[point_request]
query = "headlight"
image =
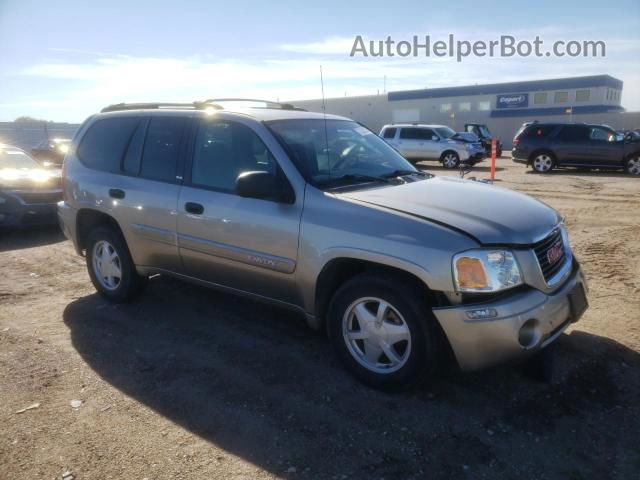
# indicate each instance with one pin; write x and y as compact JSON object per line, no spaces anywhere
{"x":485,"y":270}
{"x":2,"y":200}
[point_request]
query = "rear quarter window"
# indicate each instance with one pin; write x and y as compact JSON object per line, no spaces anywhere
{"x":104,"y":144}
{"x":389,"y":133}
{"x":539,"y":131}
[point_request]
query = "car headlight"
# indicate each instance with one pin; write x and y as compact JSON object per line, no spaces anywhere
{"x":2,"y":200}
{"x":485,"y":270}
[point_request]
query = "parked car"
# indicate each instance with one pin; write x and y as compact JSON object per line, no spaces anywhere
{"x":417,"y":142}
{"x":28,"y":193}
{"x":483,"y":133}
{"x":51,"y":152}
{"x":545,"y":146}
{"x":319,"y":215}
{"x":474,"y":145}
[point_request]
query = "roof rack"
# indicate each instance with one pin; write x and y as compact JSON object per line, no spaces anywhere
{"x":268,"y":103}
{"x":198,"y":105}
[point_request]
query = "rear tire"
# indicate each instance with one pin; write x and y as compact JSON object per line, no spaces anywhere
{"x":110,"y":266}
{"x":542,"y":162}
{"x":632,"y":165}
{"x":384,"y":335}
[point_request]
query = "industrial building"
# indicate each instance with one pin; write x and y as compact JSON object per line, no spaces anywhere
{"x":503,"y":107}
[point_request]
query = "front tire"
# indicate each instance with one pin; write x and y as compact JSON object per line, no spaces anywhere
{"x":450,"y":160}
{"x":542,"y":162}
{"x":110,"y":266}
{"x":384,"y":335}
{"x":632,"y":165}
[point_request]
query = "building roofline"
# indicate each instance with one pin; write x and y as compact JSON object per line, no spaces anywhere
{"x":511,"y":87}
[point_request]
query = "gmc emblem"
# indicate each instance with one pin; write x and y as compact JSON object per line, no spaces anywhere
{"x":554,"y":253}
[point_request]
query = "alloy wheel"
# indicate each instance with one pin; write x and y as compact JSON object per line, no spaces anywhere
{"x":542,"y":163}
{"x":106,"y":265}
{"x":376,"y":335}
{"x":450,"y":160}
{"x":633,"y":166}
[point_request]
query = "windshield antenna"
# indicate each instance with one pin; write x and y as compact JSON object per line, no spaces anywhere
{"x":324,"y":115}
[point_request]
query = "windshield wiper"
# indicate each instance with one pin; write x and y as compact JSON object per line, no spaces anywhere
{"x":358,"y":177}
{"x":400,"y":173}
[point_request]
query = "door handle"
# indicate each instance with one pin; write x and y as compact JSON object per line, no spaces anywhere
{"x":194,"y":208}
{"x":116,"y":193}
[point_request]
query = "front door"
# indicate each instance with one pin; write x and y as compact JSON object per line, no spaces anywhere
{"x":243,"y":243}
{"x":605,"y":150}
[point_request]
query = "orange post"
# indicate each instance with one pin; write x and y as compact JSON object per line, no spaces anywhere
{"x":493,"y":158}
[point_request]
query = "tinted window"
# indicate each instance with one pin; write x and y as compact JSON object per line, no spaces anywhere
{"x":572,"y":133}
{"x":539,"y":131}
{"x":416,"y":133}
{"x":133,"y":155}
{"x":223,"y":151}
{"x":390,"y":132}
{"x":602,"y":134}
{"x":103,"y":146}
{"x":162,"y":148}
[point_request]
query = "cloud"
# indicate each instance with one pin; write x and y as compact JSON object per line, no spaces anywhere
{"x":329,"y":46}
{"x":84,"y":81}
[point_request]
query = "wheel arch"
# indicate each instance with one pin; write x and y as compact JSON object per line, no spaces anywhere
{"x":87,"y":219}
{"x":338,"y":271}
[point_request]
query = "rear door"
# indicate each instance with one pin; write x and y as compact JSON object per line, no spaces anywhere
{"x":242,"y":243}
{"x":153,"y":165}
{"x":605,"y":150}
{"x":410,"y":142}
{"x":572,"y":145}
{"x":134,"y":162}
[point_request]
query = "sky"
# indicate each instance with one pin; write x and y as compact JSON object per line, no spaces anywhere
{"x":66,"y":59}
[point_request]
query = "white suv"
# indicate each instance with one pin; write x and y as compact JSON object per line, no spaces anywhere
{"x":431,"y":142}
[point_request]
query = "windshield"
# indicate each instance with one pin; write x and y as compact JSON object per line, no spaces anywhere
{"x":445,"y":132}
{"x":11,"y":157}
{"x":484,"y":131}
{"x":341,"y":150}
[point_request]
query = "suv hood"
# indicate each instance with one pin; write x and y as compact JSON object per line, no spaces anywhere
{"x":490,"y":214}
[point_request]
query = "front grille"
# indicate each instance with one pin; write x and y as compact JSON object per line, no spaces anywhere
{"x":541,"y":248}
{"x":34,"y":197}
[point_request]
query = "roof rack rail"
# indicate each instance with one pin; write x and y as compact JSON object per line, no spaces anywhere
{"x":268,"y":103}
{"x":117,"y":107}
{"x":198,"y":105}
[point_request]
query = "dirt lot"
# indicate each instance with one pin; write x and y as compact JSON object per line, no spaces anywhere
{"x":190,"y":383}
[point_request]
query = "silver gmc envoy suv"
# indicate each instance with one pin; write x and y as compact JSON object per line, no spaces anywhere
{"x":318,"y":214}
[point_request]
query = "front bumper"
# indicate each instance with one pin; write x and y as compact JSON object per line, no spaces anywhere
{"x":482,"y":343}
{"x":25,"y":215}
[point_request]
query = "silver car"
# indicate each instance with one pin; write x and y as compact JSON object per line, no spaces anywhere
{"x":417,"y":142}
{"x":319,"y":215}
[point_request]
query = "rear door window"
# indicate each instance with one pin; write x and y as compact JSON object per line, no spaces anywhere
{"x":133,"y":155}
{"x":574,"y":133}
{"x":416,"y":134}
{"x":103,"y":146}
{"x":162,"y":148}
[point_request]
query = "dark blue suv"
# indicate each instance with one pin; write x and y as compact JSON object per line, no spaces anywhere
{"x":546,"y":146}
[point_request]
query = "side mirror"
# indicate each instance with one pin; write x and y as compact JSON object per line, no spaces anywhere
{"x":435,"y":138}
{"x":262,"y":185}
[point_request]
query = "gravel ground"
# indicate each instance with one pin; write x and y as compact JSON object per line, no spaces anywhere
{"x":187,"y":382}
